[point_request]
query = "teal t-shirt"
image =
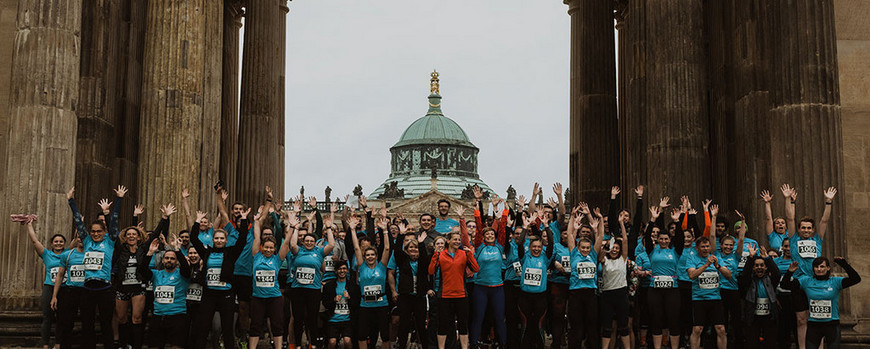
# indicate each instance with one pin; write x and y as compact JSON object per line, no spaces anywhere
{"x":265,"y":276}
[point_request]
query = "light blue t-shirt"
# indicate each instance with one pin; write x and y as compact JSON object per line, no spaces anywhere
{"x":342,"y":309}
{"x":745,"y":254}
{"x":688,"y":254}
{"x":775,"y":240}
{"x":824,"y":296}
{"x":307,"y":264}
{"x":642,"y":260}
{"x":729,"y":261}
{"x":52,"y":264}
{"x":563,"y":256}
{"x":73,"y":261}
{"x":213,"y":267}
{"x":664,"y":267}
{"x":373,"y":285}
{"x":804,"y":251}
{"x":265,"y":276}
{"x":98,"y":258}
{"x":705,"y":286}
{"x":534,"y":273}
{"x":584,"y":270}
{"x":207,"y":237}
{"x":490,"y":260}
{"x":445,"y":226}
{"x":512,"y":265}
{"x":170,"y":292}
{"x":246,"y":260}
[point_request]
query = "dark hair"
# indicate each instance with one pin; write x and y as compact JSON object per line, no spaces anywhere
{"x":819,"y":260}
{"x":269,"y":238}
{"x":427,"y":214}
{"x":244,"y":207}
{"x":183,"y":232}
{"x":341,"y":263}
{"x":702,"y":240}
{"x":723,"y":221}
{"x":443,"y":200}
{"x":58,"y":235}
{"x":100,"y":223}
{"x":809,"y":220}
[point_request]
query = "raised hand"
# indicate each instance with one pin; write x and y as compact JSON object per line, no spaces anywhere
{"x":584,"y":208}
{"x":259,"y":213}
{"x":687,"y":205}
{"x":793,"y":267}
{"x":269,"y":193}
{"x":675,"y":214}
{"x":460,"y":211}
{"x":382,"y":223}
{"x":71,"y":193}
{"x":121,"y":191}
{"x":353,"y":222}
{"x":839,"y":260}
{"x":742,"y":217}
{"x":752,"y":250}
{"x":593,"y":222}
{"x":551,"y":202}
{"x":402,"y":227}
{"x":291,"y":219}
{"x":654,"y":212}
{"x":478,"y":193}
{"x":362,"y":201}
{"x":224,"y":195}
{"x":536,"y":190}
{"x":200,"y":215}
{"x":155,"y":245}
{"x":104,"y":204}
{"x":765,"y":195}
{"x":297,"y":204}
{"x":664,"y":202}
{"x":706,"y":204}
{"x":246,"y":213}
{"x":830,"y":193}
{"x":714,"y":210}
{"x":597,"y":212}
{"x":185,"y":193}
{"x":138,"y":209}
{"x":557,"y":188}
{"x":312,"y":202}
{"x":521,"y":202}
{"x":787,"y":191}
{"x":333,"y":206}
{"x":639,"y":191}
{"x":167,"y":210}
{"x":614,"y":191}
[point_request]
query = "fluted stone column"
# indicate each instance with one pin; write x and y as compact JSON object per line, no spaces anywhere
{"x":676,"y":118}
{"x":594,"y":163}
{"x":232,"y":21}
{"x":40,"y":139}
{"x":170,"y":138}
{"x":806,"y":132}
{"x":260,"y":133}
{"x":634,"y":66}
{"x":212,"y":118}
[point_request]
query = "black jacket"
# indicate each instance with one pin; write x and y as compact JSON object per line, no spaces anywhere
{"x":231,"y":253}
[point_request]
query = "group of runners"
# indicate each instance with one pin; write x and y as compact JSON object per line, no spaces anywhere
{"x":510,"y":274}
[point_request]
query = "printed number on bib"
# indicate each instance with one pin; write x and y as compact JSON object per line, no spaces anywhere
{"x":762,"y":306}
{"x":585,"y":270}
{"x":194,"y":292}
{"x":820,"y":309}
{"x":708,"y":280}
{"x":663,"y":281}
{"x":93,"y":260}
{"x":130,"y":276}
{"x":53,"y":273}
{"x":518,"y":268}
{"x":372,"y":293}
{"x":533,"y":277}
{"x":743,"y":259}
{"x":77,"y":273}
{"x":164,"y":294}
{"x":807,"y":249}
{"x":341,"y":308}
{"x":328,"y":264}
{"x":305,"y":276}
{"x":265,"y":278}
{"x":566,"y":262}
{"x":213,"y":278}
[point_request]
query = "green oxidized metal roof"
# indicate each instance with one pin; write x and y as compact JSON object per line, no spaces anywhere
{"x":434,"y":128}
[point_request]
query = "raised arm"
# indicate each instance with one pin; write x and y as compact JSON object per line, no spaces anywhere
{"x":768,"y":212}
{"x":572,"y":229}
{"x":255,"y":246}
{"x":194,"y":236}
{"x":330,"y":239}
{"x":385,"y":256}
{"x":613,"y":209}
{"x":624,"y":239}
{"x":356,"y":251}
{"x":144,"y":266}
{"x":221,"y":196}
{"x":790,"y":196}
{"x":598,"y":225}
{"x":536,"y":190}
{"x":714,"y":212}
{"x":81,"y":231}
{"x":186,"y":205}
{"x":741,"y":234}
{"x":292,"y":226}
{"x":826,"y":215}
{"x":852,"y":277}
{"x":40,"y":249}
{"x":113,"y":220}
{"x":557,"y":189}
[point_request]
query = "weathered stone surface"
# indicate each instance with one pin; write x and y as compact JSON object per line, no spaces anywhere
{"x":594,"y":156}
{"x":40,"y":136}
{"x":229,"y":147}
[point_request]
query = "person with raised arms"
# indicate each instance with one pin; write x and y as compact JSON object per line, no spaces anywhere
{"x":761,"y":305}
{"x":372,"y":280}
{"x":51,"y":259}
{"x":583,"y":269}
{"x":663,"y":295}
{"x":171,"y":277}
{"x":533,"y":283}
{"x":706,"y":273}
{"x":308,"y":260}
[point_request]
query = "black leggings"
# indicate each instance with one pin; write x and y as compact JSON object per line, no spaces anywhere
{"x":412,"y":306}
{"x":583,"y":317}
{"x":558,"y":297}
{"x":306,"y":308}
{"x":761,"y":332}
{"x":220,"y":301}
{"x":68,"y":303}
{"x":830,"y":331}
{"x":733,"y":312}
{"x":685,"y":307}
{"x":261,"y":308}
{"x":787,"y":321}
{"x":373,"y":318}
{"x":449,"y":309}
{"x":104,"y":301}
{"x":533,"y":308}
{"x":512,"y":313}
{"x":664,"y":310}
{"x":614,"y":306}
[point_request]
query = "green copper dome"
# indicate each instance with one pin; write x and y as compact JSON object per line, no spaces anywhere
{"x":434,"y":128}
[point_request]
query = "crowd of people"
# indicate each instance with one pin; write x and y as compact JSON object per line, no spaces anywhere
{"x":507,"y":275}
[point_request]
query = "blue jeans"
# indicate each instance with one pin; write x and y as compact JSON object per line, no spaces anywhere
{"x":488,"y":299}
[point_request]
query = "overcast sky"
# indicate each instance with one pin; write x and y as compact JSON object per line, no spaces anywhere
{"x":358,"y":75}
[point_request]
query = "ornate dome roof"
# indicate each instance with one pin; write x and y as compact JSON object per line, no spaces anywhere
{"x":434,"y":128}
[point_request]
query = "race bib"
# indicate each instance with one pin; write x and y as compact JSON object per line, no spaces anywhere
{"x":130,"y":277}
{"x":77,"y":273}
{"x":149,"y":286}
{"x":414,"y":285}
{"x":820,"y":309}
{"x":213,"y":278}
{"x":518,"y":268}
{"x":533,"y":277}
{"x":372,"y":293}
{"x":708,"y":280}
{"x":93,"y":260}
{"x":566,"y":262}
{"x":663,"y":281}
{"x":341,"y":307}
{"x":585,"y":270}
{"x":164,"y":294}
{"x":194,"y":292}
{"x":743,"y":259}
{"x":807,"y":249}
{"x":265,"y":278}
{"x":328,"y":264}
{"x":53,"y":273}
{"x":762,"y":306}
{"x":305,"y":276}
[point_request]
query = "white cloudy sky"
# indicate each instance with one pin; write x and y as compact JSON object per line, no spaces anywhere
{"x":358,"y":75}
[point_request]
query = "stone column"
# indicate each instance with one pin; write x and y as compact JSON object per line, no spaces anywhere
{"x":212,"y":118}
{"x":594,"y":158}
{"x":805,"y":122}
{"x":230,"y":99}
{"x":172,"y":102}
{"x":260,"y":134}
{"x":676,"y":118}
{"x":40,"y":139}
{"x":634,"y":66}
